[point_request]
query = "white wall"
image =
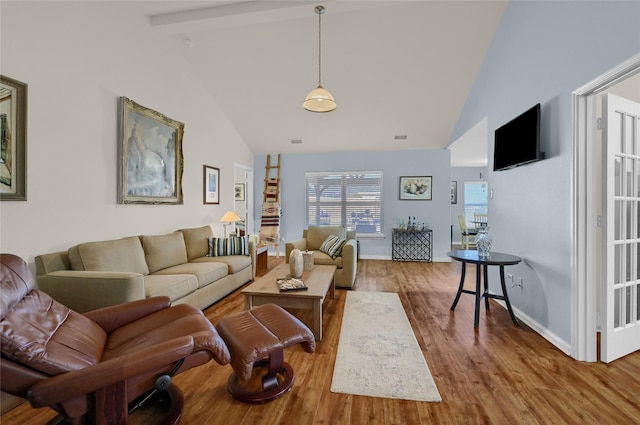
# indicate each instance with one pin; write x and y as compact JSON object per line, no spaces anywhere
{"x":542,"y":52}
{"x":78,"y":58}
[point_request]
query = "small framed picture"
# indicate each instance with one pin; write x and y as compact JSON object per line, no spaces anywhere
{"x":211,"y":185}
{"x":454,"y":192}
{"x":415,"y":188}
{"x":239,"y":192}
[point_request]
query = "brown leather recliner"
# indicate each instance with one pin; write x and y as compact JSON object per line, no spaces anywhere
{"x":90,"y":368}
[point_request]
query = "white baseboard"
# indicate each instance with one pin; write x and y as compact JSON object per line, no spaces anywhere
{"x":388,"y":258}
{"x":554,"y":339}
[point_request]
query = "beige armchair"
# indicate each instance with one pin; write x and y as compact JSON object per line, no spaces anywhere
{"x":312,"y":239}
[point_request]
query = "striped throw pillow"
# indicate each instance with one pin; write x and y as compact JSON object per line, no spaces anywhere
{"x":332,"y":246}
{"x":238,"y":245}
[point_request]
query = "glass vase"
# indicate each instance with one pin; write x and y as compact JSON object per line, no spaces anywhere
{"x":483,"y":242}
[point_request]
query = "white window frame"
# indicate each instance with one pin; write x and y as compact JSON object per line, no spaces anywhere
{"x":354,"y":209}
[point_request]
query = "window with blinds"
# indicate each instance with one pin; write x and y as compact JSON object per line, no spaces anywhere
{"x":352,"y":199}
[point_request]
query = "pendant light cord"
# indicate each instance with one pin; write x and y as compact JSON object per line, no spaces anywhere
{"x":319,"y":11}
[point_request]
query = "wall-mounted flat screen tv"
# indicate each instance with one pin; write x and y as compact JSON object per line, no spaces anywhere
{"x":518,"y":141}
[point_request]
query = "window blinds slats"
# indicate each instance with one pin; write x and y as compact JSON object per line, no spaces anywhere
{"x":350,"y":199}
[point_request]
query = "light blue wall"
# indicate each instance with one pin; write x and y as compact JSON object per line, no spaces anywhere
{"x":542,"y":52}
{"x":394,"y":164}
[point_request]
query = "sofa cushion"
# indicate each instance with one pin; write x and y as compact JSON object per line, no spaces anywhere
{"x":316,"y":235}
{"x":322,"y":259}
{"x":119,"y":255}
{"x":164,"y":251}
{"x":205,"y":272}
{"x":174,"y":286}
{"x":197,"y":241}
{"x":235,"y":263}
{"x":332,"y":246}
{"x":238,"y":245}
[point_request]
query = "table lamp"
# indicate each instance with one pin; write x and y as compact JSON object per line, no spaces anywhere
{"x":227,"y":218}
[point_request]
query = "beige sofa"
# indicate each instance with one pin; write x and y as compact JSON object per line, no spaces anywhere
{"x":347,"y":262}
{"x":98,"y":274}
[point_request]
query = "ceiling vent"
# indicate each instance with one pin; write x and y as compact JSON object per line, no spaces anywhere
{"x":296,"y":141}
{"x":400,"y":137}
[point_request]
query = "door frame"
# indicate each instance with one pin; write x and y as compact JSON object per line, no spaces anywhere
{"x":584,"y":219}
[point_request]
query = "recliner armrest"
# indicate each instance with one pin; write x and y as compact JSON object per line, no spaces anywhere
{"x":73,"y":384}
{"x":300,"y":244}
{"x":114,"y":317}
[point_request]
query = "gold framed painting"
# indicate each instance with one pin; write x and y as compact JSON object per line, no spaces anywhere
{"x":150,"y":161}
{"x":13,"y":140}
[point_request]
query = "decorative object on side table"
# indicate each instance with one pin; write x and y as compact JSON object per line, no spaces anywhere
{"x":307,"y":259}
{"x":150,"y":156}
{"x":483,"y":241}
{"x":415,"y":188}
{"x":296,"y":263}
{"x":13,"y":140}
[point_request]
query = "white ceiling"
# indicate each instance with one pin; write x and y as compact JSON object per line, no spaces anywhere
{"x":394,"y":67}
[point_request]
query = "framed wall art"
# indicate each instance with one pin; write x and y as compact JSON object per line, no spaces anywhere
{"x":211,"y":185}
{"x":239,"y":192}
{"x":13,"y":140}
{"x":150,"y":158}
{"x":415,"y":188}
{"x":454,"y":192}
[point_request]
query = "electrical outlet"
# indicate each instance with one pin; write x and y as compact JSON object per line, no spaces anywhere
{"x":509,"y":277}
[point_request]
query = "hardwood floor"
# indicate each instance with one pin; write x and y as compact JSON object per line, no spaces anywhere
{"x":495,"y":374}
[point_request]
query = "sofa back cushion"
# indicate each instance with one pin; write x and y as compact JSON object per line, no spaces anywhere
{"x":316,"y":235}
{"x":197,"y":241}
{"x":164,"y":251}
{"x":119,"y":255}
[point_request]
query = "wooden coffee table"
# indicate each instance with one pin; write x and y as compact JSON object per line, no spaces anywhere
{"x":319,"y":280}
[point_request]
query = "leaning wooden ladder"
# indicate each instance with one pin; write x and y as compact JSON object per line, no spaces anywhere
{"x":270,"y":223}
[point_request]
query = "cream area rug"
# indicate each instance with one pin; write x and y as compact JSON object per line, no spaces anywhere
{"x":378,"y":354}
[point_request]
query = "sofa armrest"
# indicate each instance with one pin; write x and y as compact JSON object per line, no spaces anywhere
{"x":84,"y":291}
{"x":300,"y":244}
{"x":346,"y":276}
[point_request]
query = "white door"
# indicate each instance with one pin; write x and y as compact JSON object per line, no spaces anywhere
{"x":620,"y":298}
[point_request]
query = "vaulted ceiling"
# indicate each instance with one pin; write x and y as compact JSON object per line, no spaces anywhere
{"x":395,"y":68}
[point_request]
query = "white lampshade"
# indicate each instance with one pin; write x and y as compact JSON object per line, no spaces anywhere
{"x":230,"y":217}
{"x":319,"y":100}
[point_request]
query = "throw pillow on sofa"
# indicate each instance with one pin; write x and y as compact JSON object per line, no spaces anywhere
{"x":332,"y":246}
{"x":237,"y":245}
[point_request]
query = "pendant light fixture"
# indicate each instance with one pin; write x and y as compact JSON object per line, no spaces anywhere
{"x":319,"y":100}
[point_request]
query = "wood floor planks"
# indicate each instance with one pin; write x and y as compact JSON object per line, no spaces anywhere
{"x":495,"y":374}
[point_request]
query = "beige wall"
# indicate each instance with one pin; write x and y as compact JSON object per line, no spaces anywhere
{"x":78,"y":59}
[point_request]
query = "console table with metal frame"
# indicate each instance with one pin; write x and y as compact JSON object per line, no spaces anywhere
{"x":411,"y":245}
{"x":482,"y":263}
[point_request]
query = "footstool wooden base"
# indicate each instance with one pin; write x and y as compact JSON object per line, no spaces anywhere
{"x":256,"y":339}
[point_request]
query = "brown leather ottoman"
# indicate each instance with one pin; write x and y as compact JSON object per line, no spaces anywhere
{"x":253,"y":335}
